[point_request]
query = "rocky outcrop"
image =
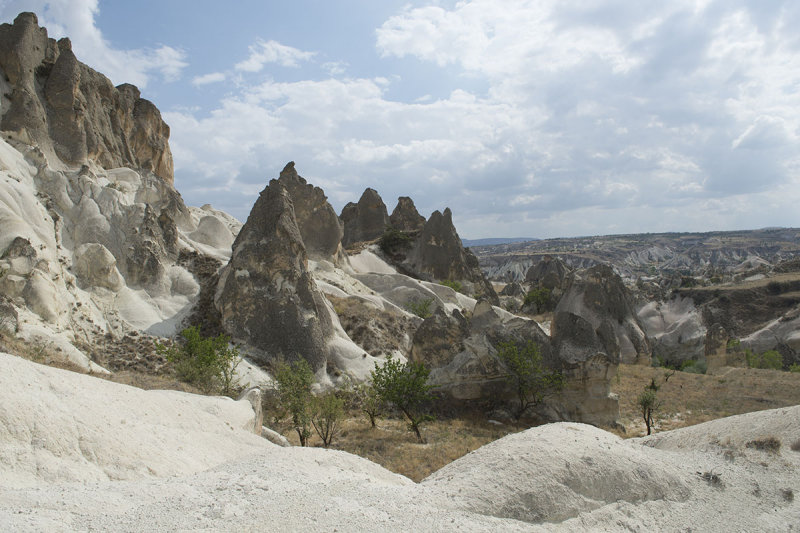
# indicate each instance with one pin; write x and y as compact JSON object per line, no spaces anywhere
{"x":550,"y":273}
{"x":599,"y":296}
{"x":437,"y":254}
{"x":266,"y":297}
{"x":366,"y":220}
{"x":319,"y":226}
{"x":405,"y":216}
{"x":675,"y":328}
{"x":461,"y":351}
{"x":589,"y":359}
{"x":72,"y":111}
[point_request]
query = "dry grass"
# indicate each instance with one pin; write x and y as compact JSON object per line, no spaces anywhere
{"x":689,"y":399}
{"x":394,"y":447}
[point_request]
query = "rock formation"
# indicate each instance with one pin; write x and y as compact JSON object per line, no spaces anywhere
{"x":266,"y":296}
{"x":550,"y":273}
{"x":598,"y":296}
{"x":319,"y":226}
{"x":366,"y":220}
{"x":589,"y":359}
{"x":73,"y":112}
{"x":405,"y":216}
{"x":437,"y":254}
{"x":461,"y":351}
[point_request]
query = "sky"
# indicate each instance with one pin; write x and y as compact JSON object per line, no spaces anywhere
{"x":546,"y":118}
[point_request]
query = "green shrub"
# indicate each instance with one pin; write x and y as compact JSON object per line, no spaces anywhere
{"x":455,"y":285}
{"x":394,"y":241}
{"x":207,"y":362}
{"x":405,"y":385}
{"x":734,"y":345}
{"x":540,"y":297}
{"x":530,"y":379}
{"x":421,"y":308}
{"x":771,"y":359}
{"x":294,"y":394}
{"x":694,"y":367}
{"x":794,"y":367}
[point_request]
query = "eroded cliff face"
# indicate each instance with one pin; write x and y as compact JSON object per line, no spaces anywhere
{"x":53,"y":101}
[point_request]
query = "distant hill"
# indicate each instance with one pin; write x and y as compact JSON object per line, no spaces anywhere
{"x":689,"y":254}
{"x":496,"y":240}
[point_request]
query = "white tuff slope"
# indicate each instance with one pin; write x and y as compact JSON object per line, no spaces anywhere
{"x":179,"y":462}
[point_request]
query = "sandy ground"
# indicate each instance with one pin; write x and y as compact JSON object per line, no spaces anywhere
{"x":81,"y":453}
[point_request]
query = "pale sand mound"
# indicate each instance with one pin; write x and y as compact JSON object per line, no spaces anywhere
{"x":58,"y":426}
{"x":555,"y":472}
{"x":79,"y":453}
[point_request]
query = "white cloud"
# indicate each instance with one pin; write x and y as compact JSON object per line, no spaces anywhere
{"x":264,"y":52}
{"x":76,"y":19}
{"x":205,"y":79}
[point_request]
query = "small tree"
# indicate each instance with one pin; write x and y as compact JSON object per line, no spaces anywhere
{"x":294,"y":394}
{"x":327,"y":414}
{"x":531,"y":380}
{"x":370,"y":403}
{"x":648,"y":402}
{"x":207,"y":362}
{"x":404,"y":385}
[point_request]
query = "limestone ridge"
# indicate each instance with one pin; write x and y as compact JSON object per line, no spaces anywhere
{"x":366,"y":220}
{"x":266,"y":296}
{"x":319,"y":226}
{"x":71,"y":111}
{"x":437,"y":254}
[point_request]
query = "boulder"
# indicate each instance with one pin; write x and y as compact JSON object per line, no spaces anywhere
{"x":266,"y":296}
{"x":319,"y":226}
{"x":366,"y":220}
{"x":405,"y":216}
{"x":599,"y":296}
{"x":253,"y":395}
{"x":437,"y":254}
{"x":550,"y":273}
{"x":95,"y":266}
{"x":73,"y":112}
{"x":513,"y":289}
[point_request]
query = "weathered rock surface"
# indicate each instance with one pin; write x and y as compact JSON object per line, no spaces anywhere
{"x":73,"y":112}
{"x":550,"y":272}
{"x":599,"y":296}
{"x":319,"y":226}
{"x":461,"y":351}
{"x":366,"y":220}
{"x":589,"y":360}
{"x":437,"y":254}
{"x":675,"y":328}
{"x":405,"y":216}
{"x":266,"y":297}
